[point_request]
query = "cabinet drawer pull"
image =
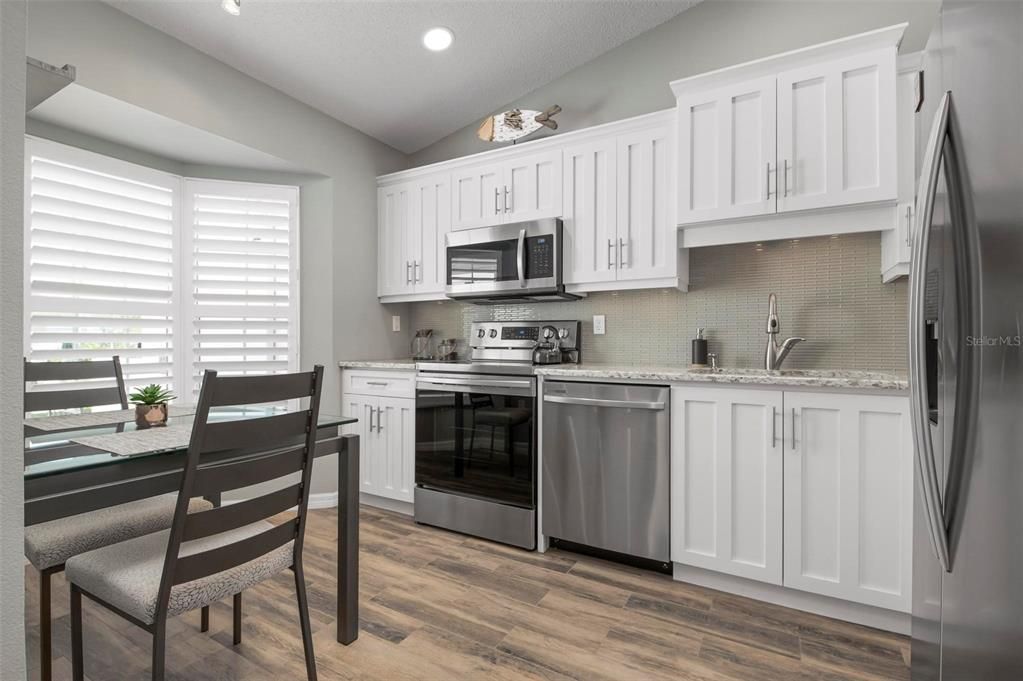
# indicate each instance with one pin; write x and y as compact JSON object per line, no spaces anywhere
{"x":507,"y":200}
{"x":793,"y":428}
{"x":408,"y":272}
{"x":767,"y":177}
{"x":909,"y":225}
{"x":380,"y":419}
{"x":496,"y":194}
{"x":621,"y":253}
{"x":785,"y":177}
{"x":610,"y":254}
{"x":774,"y":427}
{"x":371,"y":410}
{"x":380,"y":383}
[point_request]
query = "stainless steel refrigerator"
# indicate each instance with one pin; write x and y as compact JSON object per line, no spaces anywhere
{"x":966,"y":359}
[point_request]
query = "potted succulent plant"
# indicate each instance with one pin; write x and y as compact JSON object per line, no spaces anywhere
{"x":151,"y":405}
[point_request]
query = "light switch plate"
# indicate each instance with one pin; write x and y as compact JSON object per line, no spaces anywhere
{"x":599,"y":328}
{"x":395,"y":322}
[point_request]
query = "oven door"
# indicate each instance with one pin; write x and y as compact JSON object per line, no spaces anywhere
{"x":476,"y":437}
{"x":506,"y":260}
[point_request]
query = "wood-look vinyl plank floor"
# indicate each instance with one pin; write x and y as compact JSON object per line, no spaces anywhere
{"x":436,"y":605}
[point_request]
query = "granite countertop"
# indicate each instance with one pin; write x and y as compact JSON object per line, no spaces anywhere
{"x":795,"y":378}
{"x":790,"y":378}
{"x":407,"y":363}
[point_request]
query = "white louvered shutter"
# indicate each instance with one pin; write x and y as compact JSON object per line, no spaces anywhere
{"x":240,"y":257}
{"x":100,"y":262}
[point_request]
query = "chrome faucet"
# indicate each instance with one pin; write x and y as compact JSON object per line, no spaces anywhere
{"x":775,"y":353}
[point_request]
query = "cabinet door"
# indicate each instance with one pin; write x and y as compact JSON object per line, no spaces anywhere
{"x":727,"y":165}
{"x":532,"y":187}
{"x":394,"y":265}
{"x":726,"y":491}
{"x":363,"y":408}
{"x":396,"y":433}
{"x":590,"y":212}
{"x":897,"y":244}
{"x":836,"y":132}
{"x":477,"y":196}
{"x":647,"y":245}
{"x":431,"y":222}
{"x":848,"y":497}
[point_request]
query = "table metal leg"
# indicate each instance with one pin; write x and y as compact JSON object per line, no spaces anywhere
{"x":348,"y":540}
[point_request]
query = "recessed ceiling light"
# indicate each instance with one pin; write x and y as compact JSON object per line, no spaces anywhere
{"x":233,"y":7}
{"x":436,"y":39}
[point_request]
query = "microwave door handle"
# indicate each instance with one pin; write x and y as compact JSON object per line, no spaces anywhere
{"x":521,"y":257}
{"x":919,"y":417}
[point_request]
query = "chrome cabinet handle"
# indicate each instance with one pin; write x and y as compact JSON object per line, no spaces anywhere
{"x":381,"y":383}
{"x":793,"y":429}
{"x":497,"y":193}
{"x":380,"y":419}
{"x":767,"y":178}
{"x":610,"y":254}
{"x":610,"y":404}
{"x":774,"y":427}
{"x":408,"y":272}
{"x":371,"y":410}
{"x":621,"y":253}
{"x":785,"y":177}
{"x":909,"y":225}
{"x":507,"y":202}
{"x":415,"y":272}
{"x":945,"y":141}
{"x":521,"y":258}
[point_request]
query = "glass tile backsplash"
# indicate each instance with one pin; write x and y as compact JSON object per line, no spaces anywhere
{"x":829,"y":291}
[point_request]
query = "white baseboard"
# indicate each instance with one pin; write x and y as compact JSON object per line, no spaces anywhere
{"x":323,"y":500}
{"x":403,"y":507}
{"x":857,"y":613}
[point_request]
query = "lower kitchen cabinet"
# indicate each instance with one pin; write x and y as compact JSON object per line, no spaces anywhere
{"x":726,"y":463}
{"x":386,"y":431}
{"x":809,"y":490}
{"x":849,"y":497}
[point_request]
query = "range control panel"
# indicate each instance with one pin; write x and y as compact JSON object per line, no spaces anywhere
{"x":523,"y":335}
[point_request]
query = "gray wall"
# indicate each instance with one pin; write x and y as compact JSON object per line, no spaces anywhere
{"x":123,"y":58}
{"x":828,"y":290}
{"x":12,"y":484}
{"x":633,"y":78}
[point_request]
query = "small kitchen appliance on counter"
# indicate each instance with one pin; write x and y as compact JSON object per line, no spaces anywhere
{"x":422,"y":344}
{"x":476,"y":431}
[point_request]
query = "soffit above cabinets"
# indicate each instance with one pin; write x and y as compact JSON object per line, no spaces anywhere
{"x":364,"y":63}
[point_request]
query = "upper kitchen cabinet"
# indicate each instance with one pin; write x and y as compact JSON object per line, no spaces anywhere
{"x":620,"y":230}
{"x":897,"y":244}
{"x":413,"y":218}
{"x":727,"y":152}
{"x":769,"y":147}
{"x":514,"y":189}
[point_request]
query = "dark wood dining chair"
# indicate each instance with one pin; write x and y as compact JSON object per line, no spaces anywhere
{"x":211,"y":555}
{"x":49,"y":545}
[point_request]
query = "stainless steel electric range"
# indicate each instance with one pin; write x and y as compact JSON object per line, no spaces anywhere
{"x":476,"y":431}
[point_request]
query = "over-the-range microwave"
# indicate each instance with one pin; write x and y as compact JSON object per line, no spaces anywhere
{"x":513,"y":263}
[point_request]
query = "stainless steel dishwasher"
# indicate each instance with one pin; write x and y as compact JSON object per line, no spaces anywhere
{"x":606,"y":467}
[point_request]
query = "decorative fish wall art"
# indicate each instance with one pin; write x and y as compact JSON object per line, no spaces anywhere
{"x":517,"y":123}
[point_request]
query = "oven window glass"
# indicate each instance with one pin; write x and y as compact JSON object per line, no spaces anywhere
{"x":476,"y":444}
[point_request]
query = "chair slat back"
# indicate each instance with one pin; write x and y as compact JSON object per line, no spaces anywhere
{"x":250,"y":451}
{"x":74,"y":398}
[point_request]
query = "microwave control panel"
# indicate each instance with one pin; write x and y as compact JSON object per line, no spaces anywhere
{"x":540,"y":256}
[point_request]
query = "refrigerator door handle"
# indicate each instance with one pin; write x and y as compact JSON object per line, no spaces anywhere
{"x":945,"y":143}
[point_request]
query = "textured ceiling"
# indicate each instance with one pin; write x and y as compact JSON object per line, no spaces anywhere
{"x":362,"y":62}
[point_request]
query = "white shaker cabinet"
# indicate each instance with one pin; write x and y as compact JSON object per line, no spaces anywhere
{"x":394,"y":217}
{"x":727,"y":165}
{"x":413,"y":218}
{"x":726,"y":468}
{"x":897,"y":244}
{"x":590,"y":211}
{"x":515,"y":189}
{"x":848,"y":497}
{"x":836,"y":132}
{"x":386,"y":430}
{"x":619,"y":209}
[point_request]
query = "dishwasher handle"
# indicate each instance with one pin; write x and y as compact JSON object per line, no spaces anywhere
{"x":612,"y":404}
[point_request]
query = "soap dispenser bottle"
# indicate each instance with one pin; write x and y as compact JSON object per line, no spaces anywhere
{"x":699,"y":357}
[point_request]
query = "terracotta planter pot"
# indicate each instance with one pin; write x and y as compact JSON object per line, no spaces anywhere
{"x":149,"y":415}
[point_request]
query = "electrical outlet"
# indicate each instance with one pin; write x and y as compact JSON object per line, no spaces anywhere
{"x":599,"y":328}
{"x":395,"y":323}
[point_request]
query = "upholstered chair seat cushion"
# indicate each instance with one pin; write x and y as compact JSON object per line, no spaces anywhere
{"x":51,"y":543}
{"x":127,"y":575}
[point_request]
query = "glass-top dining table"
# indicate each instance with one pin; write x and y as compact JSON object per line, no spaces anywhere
{"x":64,"y":477}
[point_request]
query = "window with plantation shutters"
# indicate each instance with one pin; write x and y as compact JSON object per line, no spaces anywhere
{"x":239,"y":253}
{"x":173,"y":275}
{"x":100,"y":272}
